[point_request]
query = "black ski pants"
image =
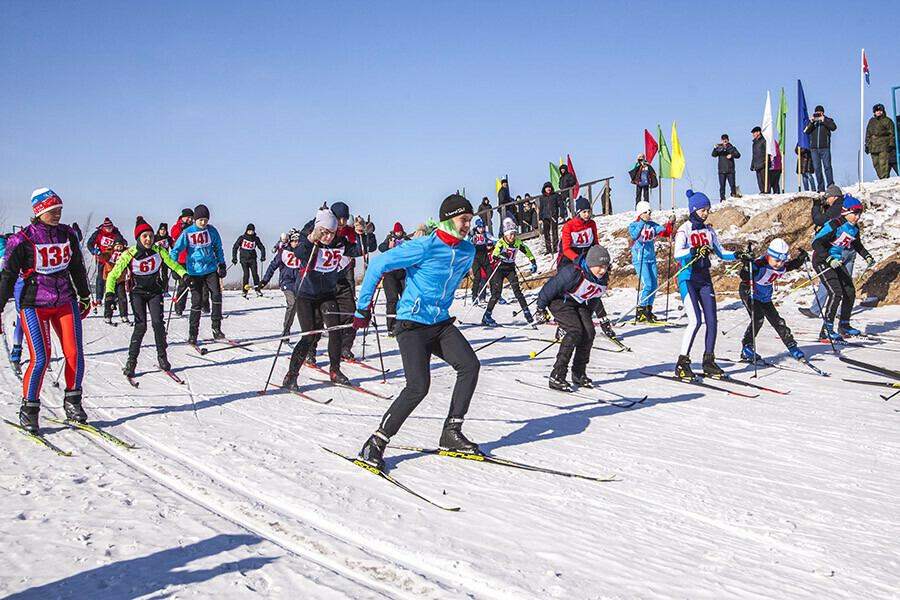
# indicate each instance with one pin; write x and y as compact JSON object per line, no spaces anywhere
{"x":121,"y":299}
{"x":394,"y":283}
{"x":481,"y":262}
{"x":576,"y":320}
{"x":309,"y":311}
{"x":763,"y":310}
{"x":290,"y":310}
{"x":642,"y":190}
{"x":841,"y":292}
{"x":200,"y":286}
{"x":418,"y":344}
{"x":551,"y":234}
{"x":723,"y":177}
{"x":508,"y":272}
{"x":250,"y":268}
{"x":141,"y":302}
{"x":345,"y":294}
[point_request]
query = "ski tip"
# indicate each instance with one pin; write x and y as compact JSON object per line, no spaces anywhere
{"x":203,"y":351}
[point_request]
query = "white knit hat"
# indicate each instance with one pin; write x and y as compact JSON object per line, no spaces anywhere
{"x":509,"y":226}
{"x":325,"y":218}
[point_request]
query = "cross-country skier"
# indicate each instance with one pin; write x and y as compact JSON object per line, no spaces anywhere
{"x":48,"y":258}
{"x":571,"y":295}
{"x":144,"y":262}
{"x":578,"y":234}
{"x":436,"y":265}
{"x":643,"y":233}
{"x":394,"y":281}
{"x":247,"y":243}
{"x":345,"y":293}
{"x":120,"y":294}
{"x":164,"y":240}
{"x":289,"y":268}
{"x":504,"y":260}
{"x":484,"y":244}
{"x":764,"y":272}
{"x":828,"y":246}
{"x":694,"y":243}
{"x":320,"y":253}
{"x":102,"y":241}
{"x":205,"y":268}
{"x":181,"y":289}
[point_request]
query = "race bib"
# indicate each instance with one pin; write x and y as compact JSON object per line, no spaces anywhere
{"x":248,"y":244}
{"x":583,"y":238}
{"x":199,"y":239}
{"x":147,"y":266}
{"x":328,"y":259}
{"x":509,"y":254}
{"x":646,"y":234}
{"x":52,"y":258}
{"x":163,"y":243}
{"x":587,"y":290}
{"x":480,"y":239}
{"x":843,"y":240}
{"x":106,"y":242}
{"x":699,"y":238}
{"x":769,"y":276}
{"x":289,"y":259}
{"x":114,"y":258}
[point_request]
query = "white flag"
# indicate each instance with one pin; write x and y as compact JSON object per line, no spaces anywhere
{"x":768,"y":127}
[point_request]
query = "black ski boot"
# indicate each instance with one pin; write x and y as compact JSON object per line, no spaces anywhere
{"x":710,"y":368}
{"x":452,"y":438}
{"x":582,"y":380}
{"x":163,"y":361}
{"x":290,"y":381}
{"x":640,"y":315}
{"x":311,"y":357}
{"x":130,"y":366}
{"x":372,"y":452}
{"x":339,"y":378}
{"x":607,"y":329}
{"x":28,"y":416}
{"x":192,"y":339}
{"x":347,"y":354}
{"x":72,"y":406}
{"x":683,"y":368}
{"x":217,"y":333}
{"x":560,"y":384}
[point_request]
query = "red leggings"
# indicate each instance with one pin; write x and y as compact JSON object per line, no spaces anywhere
{"x":66,"y":322}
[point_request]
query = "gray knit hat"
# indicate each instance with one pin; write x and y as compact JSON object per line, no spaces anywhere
{"x":833,"y":190}
{"x":597,"y":256}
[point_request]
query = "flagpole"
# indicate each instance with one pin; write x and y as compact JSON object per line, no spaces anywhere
{"x":862,"y":130}
{"x":673,"y":192}
{"x":766,"y":190}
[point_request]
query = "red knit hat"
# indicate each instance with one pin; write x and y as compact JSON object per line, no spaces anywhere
{"x":398,"y":228}
{"x":140,"y":227}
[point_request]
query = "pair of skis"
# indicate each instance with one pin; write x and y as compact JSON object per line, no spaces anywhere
{"x":698,"y":382}
{"x":85,"y":427}
{"x":892,"y":373}
{"x":135,"y":383}
{"x":579,"y":394}
{"x":478,"y":457}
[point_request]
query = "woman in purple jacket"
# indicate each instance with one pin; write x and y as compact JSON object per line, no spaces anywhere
{"x":47,"y":255}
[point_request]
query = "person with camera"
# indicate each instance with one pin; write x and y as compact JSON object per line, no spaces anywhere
{"x":820,"y":128}
{"x":880,"y":141}
{"x":726,"y":153}
{"x":644,"y":178}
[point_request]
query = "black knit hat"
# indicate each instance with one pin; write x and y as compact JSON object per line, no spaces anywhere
{"x":141,"y":226}
{"x":187,"y":213}
{"x":201,"y":212}
{"x":454,"y":205}
{"x":250,"y":226}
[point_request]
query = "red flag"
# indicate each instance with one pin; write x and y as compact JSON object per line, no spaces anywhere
{"x":650,"y":147}
{"x":572,"y":171}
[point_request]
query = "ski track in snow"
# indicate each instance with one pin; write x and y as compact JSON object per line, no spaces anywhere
{"x":228,"y":493}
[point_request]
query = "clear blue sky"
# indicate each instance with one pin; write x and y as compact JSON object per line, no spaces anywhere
{"x":265,"y":110}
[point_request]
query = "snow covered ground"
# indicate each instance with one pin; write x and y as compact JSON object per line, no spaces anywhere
{"x":230,"y":495}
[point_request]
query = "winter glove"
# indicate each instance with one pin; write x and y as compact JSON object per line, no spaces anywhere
{"x":703,"y":250}
{"x":316,"y":234}
{"x":743,"y":256}
{"x":834,"y":263}
{"x":541,"y":316}
{"x":234,"y":261}
{"x":361,"y":319}
{"x":870,"y":260}
{"x":222,"y":271}
{"x":370,"y":228}
{"x":109,"y":297}
{"x":533,"y":267}
{"x":96,"y":251}
{"x":802,"y":256}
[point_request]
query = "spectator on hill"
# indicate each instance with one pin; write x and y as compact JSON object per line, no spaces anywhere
{"x":819,"y":127}
{"x":726,"y":153}
{"x":805,"y":167}
{"x":644,"y":178}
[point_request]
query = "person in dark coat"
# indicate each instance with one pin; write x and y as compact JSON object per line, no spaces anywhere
{"x":247,"y":243}
{"x":566,"y":180}
{"x":528,"y":215}
{"x":488,"y":215}
{"x":758,"y":161}
{"x":548,"y":212}
{"x":644,"y":178}
{"x":819,"y":127}
{"x":503,"y":198}
{"x":825,"y":209}
{"x":880,"y":141}
{"x":726,"y":153}
{"x":805,"y":167}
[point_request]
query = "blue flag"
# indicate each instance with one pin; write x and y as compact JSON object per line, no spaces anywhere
{"x":802,"y":117}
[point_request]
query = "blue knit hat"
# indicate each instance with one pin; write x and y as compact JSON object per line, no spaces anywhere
{"x":478,"y":222}
{"x":44,"y":199}
{"x":582,"y":203}
{"x":851,"y":204}
{"x":697,"y":200}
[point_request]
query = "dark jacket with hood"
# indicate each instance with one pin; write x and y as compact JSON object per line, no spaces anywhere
{"x":635,"y":174}
{"x":566,"y":180}
{"x":726,"y":165}
{"x":820,"y":132}
{"x":247,"y":244}
{"x":548,"y":204}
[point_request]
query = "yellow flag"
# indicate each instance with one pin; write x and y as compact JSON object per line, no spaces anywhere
{"x":677,"y":155}
{"x":498,"y":185}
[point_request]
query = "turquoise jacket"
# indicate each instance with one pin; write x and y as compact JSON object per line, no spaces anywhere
{"x":435,"y":266}
{"x":204,"y":249}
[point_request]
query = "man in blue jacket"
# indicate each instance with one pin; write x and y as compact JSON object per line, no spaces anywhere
{"x":435,"y":266}
{"x":205,"y":267}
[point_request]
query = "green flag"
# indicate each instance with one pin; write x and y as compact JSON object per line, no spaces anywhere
{"x":554,"y":176}
{"x":781,"y":123}
{"x":665,"y":159}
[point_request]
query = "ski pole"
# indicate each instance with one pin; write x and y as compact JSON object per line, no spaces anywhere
{"x":821,"y":312}
{"x":807,"y":282}
{"x":334,"y":312}
{"x":272,"y":370}
{"x":637,"y":301}
{"x":175,"y":300}
{"x":541,"y":351}
{"x":622,"y":318}
{"x":752,"y":309}
{"x":669,"y":270}
{"x":533,"y":300}
{"x":730,"y":269}
{"x":891,"y":396}
{"x":380,"y":356}
{"x":486,"y":283}
{"x":366,"y":330}
{"x":513,"y":332}
{"x":204,"y":351}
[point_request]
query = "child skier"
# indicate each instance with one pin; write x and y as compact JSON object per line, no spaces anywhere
{"x":289,"y":268}
{"x":643,"y":232}
{"x":828,"y":246}
{"x":578,"y":234}
{"x":484,"y":244}
{"x":435,"y":264}
{"x":247,"y":243}
{"x":505,"y":252}
{"x":165,"y":241}
{"x":102,"y":241}
{"x":48,"y":257}
{"x":345,"y":293}
{"x":144,"y":263}
{"x":571,"y":295}
{"x":393,"y":281}
{"x":119,"y":295}
{"x":694,"y":243}
{"x":762,"y":274}
{"x":321,"y":254}
{"x":205,"y":267}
